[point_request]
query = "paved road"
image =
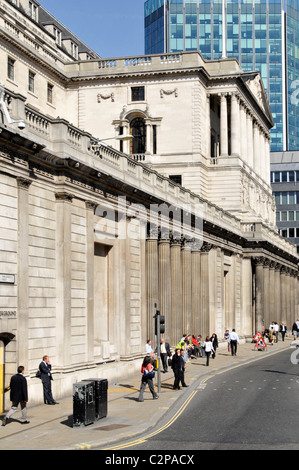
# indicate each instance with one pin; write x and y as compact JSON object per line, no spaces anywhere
{"x":254,"y":406}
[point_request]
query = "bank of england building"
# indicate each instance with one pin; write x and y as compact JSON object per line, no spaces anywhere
{"x":98,"y":231}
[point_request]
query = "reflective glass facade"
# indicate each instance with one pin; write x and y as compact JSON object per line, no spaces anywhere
{"x":262,"y":34}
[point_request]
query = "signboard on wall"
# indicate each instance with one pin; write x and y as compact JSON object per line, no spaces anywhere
{"x":7,"y":278}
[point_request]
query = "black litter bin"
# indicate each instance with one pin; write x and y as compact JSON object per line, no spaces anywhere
{"x":84,"y":406}
{"x":101,"y":397}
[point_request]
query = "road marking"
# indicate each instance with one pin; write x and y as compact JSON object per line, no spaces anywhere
{"x":184,"y":406}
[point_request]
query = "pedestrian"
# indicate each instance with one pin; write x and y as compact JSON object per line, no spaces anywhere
{"x":226,"y":337}
{"x":295,"y":330}
{"x":46,"y":378}
{"x":283,"y":330}
{"x":165,"y":354}
{"x":18,"y":395}
{"x":208,"y":347}
{"x":178,"y":367}
{"x":276,"y":329}
{"x":148,"y":374}
{"x":214,"y":341}
{"x":234,"y":340}
{"x":148,"y":348}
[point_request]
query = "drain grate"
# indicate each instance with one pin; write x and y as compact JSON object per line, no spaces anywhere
{"x":112,"y":427}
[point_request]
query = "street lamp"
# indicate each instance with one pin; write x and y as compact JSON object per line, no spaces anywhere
{"x":3,"y":108}
{"x":100,"y":142}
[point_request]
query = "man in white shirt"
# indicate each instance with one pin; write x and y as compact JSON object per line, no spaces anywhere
{"x":148,"y":348}
{"x":234,"y":340}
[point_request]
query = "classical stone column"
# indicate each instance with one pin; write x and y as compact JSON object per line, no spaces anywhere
{"x":283,"y":295}
{"x":63,"y":277}
{"x":266,"y":300}
{"x":247,"y":317}
{"x":23,"y":271}
{"x":196,"y":287}
{"x":204,"y":277}
{"x":223,"y":126}
{"x":243,"y":133}
{"x":276,"y":293}
{"x":90,"y":209}
{"x":176,"y":292}
{"x":256,"y":151}
{"x":235,"y":125}
{"x":149,"y":130}
{"x":164,"y":281}
{"x":208,"y":122}
{"x":249,"y":129}
{"x":259,"y":294}
{"x":288,"y":296}
{"x":187,"y":290}
{"x":152,"y":269}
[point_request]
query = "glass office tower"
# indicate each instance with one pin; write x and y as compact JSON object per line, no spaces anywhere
{"x":262,"y":34}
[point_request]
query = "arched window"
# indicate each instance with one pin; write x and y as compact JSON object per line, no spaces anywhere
{"x":138,"y":131}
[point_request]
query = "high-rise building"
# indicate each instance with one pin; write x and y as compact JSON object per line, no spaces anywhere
{"x":262,"y":34}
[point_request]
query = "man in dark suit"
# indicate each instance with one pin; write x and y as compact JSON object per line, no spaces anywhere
{"x":165,"y":354}
{"x":18,"y":394}
{"x":46,"y":377}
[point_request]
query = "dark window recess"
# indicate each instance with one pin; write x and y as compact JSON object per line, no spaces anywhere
{"x":176,"y":179}
{"x":154,"y":140}
{"x":138,"y":93}
{"x":138,"y":130}
{"x":121,"y":143}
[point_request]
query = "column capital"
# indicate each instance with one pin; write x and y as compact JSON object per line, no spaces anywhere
{"x":206,"y":247}
{"x":64,"y":197}
{"x":90,"y":205}
{"x":23,"y":183}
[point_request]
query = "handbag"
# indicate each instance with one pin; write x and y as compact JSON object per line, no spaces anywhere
{"x":148,"y":375}
{"x":169,"y":361}
{"x":38,"y":374}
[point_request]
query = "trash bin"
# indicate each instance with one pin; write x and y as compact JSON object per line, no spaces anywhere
{"x":101,"y":397}
{"x":83,"y":404}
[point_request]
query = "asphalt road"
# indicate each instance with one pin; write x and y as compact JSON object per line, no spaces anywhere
{"x":252,"y":407}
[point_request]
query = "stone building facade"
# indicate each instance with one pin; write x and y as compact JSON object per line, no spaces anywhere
{"x":94,"y":236}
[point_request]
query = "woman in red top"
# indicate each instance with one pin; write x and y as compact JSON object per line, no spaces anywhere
{"x":147,"y":371}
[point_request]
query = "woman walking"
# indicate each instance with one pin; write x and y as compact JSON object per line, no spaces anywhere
{"x":208,"y":347}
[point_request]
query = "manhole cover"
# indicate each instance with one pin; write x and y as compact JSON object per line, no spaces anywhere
{"x":112,"y":427}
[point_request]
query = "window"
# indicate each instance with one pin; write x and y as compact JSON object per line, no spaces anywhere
{"x":154,"y":140}
{"x":11,"y":68}
{"x":57,"y":35}
{"x":137,"y":93}
{"x":176,"y":179}
{"x":138,"y":131}
{"x":31,"y":77}
{"x":50,"y":93}
{"x":33,"y":10}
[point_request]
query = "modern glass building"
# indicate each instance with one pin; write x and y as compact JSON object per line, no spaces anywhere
{"x":262,"y":34}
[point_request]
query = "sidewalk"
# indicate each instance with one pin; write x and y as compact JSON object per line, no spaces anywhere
{"x":51,"y":427}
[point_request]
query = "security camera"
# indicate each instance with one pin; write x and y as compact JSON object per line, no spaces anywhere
{"x":21,"y":125}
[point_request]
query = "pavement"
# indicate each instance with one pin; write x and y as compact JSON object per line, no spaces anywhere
{"x":51,"y":427}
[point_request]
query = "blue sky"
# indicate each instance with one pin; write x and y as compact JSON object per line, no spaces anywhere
{"x":112,"y":28}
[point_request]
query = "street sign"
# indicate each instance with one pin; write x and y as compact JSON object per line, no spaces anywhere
{"x":260,"y":343}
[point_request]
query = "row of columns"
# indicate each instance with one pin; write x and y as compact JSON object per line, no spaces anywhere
{"x":276,"y":293}
{"x":248,"y":138}
{"x":177,"y":283}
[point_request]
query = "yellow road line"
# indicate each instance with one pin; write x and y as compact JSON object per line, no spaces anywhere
{"x":167,"y":425}
{"x":185,"y":404}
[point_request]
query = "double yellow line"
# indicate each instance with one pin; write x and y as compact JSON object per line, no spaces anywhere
{"x":185,"y":404}
{"x":167,"y":425}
